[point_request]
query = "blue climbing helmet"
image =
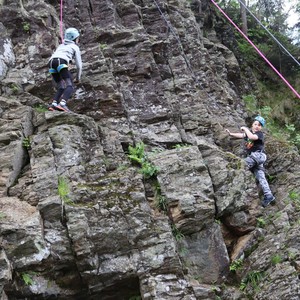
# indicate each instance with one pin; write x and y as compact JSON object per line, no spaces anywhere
{"x":261,"y":120}
{"x":71,"y":34}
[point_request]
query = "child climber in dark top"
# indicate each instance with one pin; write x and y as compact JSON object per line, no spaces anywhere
{"x":256,"y":157}
{"x":58,"y":67}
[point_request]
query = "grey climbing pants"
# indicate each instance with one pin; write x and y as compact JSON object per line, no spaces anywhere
{"x":255,"y":163}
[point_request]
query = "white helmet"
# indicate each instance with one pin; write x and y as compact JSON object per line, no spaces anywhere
{"x":71,"y":34}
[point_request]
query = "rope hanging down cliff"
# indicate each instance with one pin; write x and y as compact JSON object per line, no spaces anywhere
{"x":61,"y":21}
{"x":178,"y":41}
{"x":259,"y":52}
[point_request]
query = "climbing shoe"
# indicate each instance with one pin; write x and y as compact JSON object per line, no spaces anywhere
{"x":52,"y":106}
{"x":62,"y":106}
{"x":268,"y":200}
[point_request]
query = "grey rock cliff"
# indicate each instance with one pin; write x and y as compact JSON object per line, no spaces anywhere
{"x":78,"y":220}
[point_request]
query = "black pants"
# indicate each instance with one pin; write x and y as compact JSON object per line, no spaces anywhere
{"x":63,"y":79}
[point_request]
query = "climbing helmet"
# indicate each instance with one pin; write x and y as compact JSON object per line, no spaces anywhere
{"x":261,"y":120}
{"x":71,"y":34}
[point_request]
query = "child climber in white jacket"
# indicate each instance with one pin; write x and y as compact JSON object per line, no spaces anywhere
{"x":59,"y":69}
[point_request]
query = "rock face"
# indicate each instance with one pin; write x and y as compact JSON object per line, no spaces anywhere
{"x":78,"y":219}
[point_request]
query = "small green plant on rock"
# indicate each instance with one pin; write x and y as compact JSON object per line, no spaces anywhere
{"x":148,"y":169}
{"x":236,"y":265}
{"x":177,"y":233}
{"x":26,"y":143}
{"x":64,"y":190}
{"x":292,"y":256}
{"x":295,"y":198}
{"x":26,"y":26}
{"x":14,"y":88}
{"x":261,"y":222}
{"x":122,"y":167}
{"x":276,"y":259}
{"x":179,"y":146}
{"x":27,"y":278}
{"x":252,"y":279}
{"x":40,"y":108}
{"x":102,"y":46}
{"x":137,"y":155}
{"x":160,"y":200}
{"x":294,"y":137}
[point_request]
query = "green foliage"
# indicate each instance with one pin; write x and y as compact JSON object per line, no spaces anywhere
{"x":287,"y":134}
{"x":295,"y":198}
{"x":236,"y":265}
{"x":102,"y":46}
{"x":276,"y":259}
{"x":64,"y":190}
{"x":160,"y":200}
{"x":2,"y":215}
{"x":294,"y":137}
{"x":122,"y":167}
{"x":14,"y":87}
{"x":26,"y":26}
{"x":218,"y":221}
{"x":273,"y":98}
{"x":40,"y":108}
{"x":296,"y":140}
{"x":137,"y":155}
{"x":269,"y":47}
{"x":162,"y":203}
{"x":177,"y":233}
{"x":275,"y":102}
{"x":292,"y":256}
{"x":271,"y":178}
{"x":26,"y":143}
{"x":27,"y":278}
{"x":183,"y":251}
{"x":261,"y":222}
{"x":251,"y":102}
{"x":148,"y":169}
{"x":179,"y":146}
{"x":252,"y":279}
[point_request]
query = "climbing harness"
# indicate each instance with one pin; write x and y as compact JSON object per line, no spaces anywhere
{"x":255,"y":47}
{"x":59,"y":64}
{"x":274,"y":38}
{"x":61,"y":21}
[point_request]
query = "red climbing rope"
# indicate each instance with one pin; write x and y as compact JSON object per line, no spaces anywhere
{"x":61,"y":21}
{"x":259,"y":52}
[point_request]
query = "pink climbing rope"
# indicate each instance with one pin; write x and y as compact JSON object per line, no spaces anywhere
{"x":61,"y":21}
{"x":259,"y":52}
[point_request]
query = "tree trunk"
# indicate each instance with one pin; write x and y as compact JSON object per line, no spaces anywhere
{"x":243,"y":17}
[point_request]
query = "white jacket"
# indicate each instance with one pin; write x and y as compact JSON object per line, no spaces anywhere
{"x":69,"y":51}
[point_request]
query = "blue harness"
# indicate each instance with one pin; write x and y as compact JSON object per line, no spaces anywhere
{"x":58,"y":69}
